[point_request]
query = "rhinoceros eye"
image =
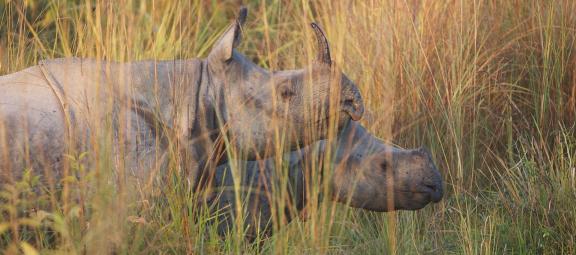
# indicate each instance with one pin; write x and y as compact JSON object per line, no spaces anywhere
{"x":286,"y":93}
{"x":384,"y":165}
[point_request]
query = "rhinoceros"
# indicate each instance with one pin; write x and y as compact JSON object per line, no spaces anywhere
{"x":365,"y":173}
{"x":65,"y":106}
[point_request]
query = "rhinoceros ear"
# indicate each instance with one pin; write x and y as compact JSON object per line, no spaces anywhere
{"x":222,"y":49}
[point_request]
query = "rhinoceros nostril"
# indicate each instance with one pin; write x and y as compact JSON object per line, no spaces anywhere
{"x":429,"y":186}
{"x":435,"y":191}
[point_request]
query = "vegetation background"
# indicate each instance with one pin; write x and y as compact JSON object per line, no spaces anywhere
{"x":489,"y":86}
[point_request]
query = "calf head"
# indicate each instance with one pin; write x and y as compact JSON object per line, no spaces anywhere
{"x":366,"y":174}
{"x":256,"y":103}
{"x":374,"y":176}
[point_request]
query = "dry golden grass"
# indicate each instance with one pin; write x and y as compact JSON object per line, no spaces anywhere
{"x":489,"y":86}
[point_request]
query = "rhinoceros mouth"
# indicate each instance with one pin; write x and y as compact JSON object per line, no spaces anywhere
{"x":432,"y":195}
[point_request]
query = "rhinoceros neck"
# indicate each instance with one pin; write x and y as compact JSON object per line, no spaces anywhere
{"x":188,"y":99}
{"x":178,"y":95}
{"x":205,"y":130}
{"x":183,"y":94}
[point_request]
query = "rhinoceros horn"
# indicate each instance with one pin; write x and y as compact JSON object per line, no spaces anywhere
{"x":323,"y":47}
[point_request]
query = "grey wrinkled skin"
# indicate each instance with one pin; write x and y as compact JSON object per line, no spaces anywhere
{"x":365,"y":173}
{"x":149,"y":105}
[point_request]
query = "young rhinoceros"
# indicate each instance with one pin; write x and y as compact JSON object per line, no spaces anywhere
{"x":148,"y":105}
{"x":365,"y":174}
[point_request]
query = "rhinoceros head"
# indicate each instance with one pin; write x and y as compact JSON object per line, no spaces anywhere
{"x":257,"y":103}
{"x":378,"y":177}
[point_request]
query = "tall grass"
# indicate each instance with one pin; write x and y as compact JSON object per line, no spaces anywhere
{"x":488,"y":86}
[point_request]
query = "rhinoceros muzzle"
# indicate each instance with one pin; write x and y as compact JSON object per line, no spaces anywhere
{"x":434,"y":190}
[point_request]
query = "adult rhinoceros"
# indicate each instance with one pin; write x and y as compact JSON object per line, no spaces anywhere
{"x":191,"y":105}
{"x":364,"y":173}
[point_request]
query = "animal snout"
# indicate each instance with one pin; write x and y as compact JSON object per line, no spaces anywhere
{"x":434,"y":188}
{"x":353,"y":104}
{"x":432,"y":182}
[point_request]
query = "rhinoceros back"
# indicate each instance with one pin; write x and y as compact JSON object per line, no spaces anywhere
{"x":32,"y":124}
{"x":72,"y":105}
